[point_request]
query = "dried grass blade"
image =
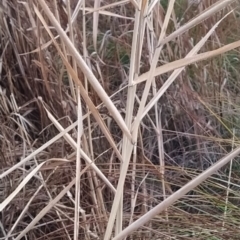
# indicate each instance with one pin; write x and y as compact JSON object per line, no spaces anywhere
{"x":84,"y":94}
{"x":70,"y":140}
{"x":75,"y":12}
{"x":15,"y":50}
{"x":177,"y":195}
{"x":95,"y":22}
{"x":201,"y":17}
{"x":22,"y":213}
{"x":135,"y":4}
{"x":83,"y":66}
{"x":33,"y":154}
{"x":20,"y":186}
{"x":127,"y":145}
{"x":45,"y":210}
{"x":187,"y":61}
{"x":174,"y":75}
{"x":51,"y":204}
{"x":107,"y":13}
{"x":26,"y":208}
{"x":70,"y":25}
{"x":152,"y":69}
{"x":78,"y":168}
{"x":111,"y":5}
{"x":151,"y":6}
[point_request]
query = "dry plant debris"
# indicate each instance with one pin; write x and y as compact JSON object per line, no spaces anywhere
{"x":119,"y":119}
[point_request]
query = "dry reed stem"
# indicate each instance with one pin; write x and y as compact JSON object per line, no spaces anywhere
{"x":178,"y":194}
{"x":33,"y":154}
{"x":87,"y":72}
{"x":84,"y":94}
{"x":127,"y":145}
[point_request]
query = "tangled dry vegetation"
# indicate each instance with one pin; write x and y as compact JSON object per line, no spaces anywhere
{"x":119,"y":119}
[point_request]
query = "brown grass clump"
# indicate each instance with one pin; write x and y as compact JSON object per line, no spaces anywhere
{"x":119,"y":119}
